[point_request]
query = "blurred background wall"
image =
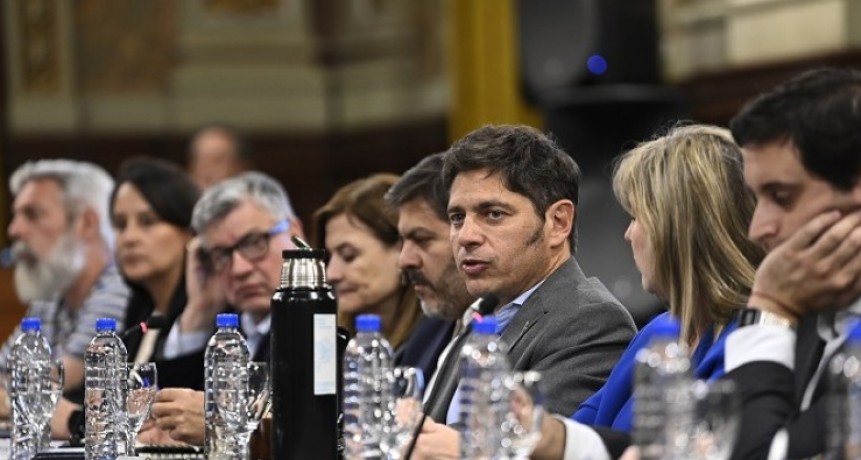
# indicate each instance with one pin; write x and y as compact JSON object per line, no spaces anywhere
{"x":331,"y":90}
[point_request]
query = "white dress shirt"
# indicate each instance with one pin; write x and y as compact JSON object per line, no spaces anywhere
{"x":776,"y":344}
{"x":180,"y":343}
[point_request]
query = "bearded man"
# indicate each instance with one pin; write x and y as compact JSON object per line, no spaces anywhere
{"x":62,"y":250}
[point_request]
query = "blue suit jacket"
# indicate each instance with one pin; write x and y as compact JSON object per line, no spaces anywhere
{"x":612,"y":405}
{"x":425,"y":344}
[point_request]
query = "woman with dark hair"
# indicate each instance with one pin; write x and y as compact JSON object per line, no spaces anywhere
{"x":151,"y":209}
{"x":360,"y":231}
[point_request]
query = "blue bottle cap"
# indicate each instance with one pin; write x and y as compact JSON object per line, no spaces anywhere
{"x":855,"y":334}
{"x":486,"y":325}
{"x":666,"y":326}
{"x":227,"y":320}
{"x":368,"y":323}
{"x":31,"y":324}
{"x":106,"y":324}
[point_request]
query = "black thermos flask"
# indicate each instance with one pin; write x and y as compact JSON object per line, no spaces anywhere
{"x":305,"y":363}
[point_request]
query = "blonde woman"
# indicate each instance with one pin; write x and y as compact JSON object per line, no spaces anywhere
{"x":689,"y":211}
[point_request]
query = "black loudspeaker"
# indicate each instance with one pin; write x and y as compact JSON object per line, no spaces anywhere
{"x":572,"y":43}
{"x":592,"y":68}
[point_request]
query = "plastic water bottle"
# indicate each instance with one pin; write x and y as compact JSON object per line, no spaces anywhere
{"x":226,"y":371}
{"x":367,"y":393}
{"x":484,"y":394}
{"x":30,"y":360}
{"x":844,"y":401}
{"x":105,"y":393}
{"x":663,"y":379}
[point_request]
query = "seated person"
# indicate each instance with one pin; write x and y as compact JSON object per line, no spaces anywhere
{"x":428,"y":263}
{"x":151,"y":209}
{"x":216,"y":152}
{"x":689,"y":214}
{"x":512,"y":202}
{"x":801,"y":146}
{"x":64,"y":269}
{"x":359,"y":229}
{"x":151,"y":214}
{"x":243,"y":224}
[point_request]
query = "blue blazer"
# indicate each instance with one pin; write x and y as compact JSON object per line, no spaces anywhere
{"x":426,"y":342}
{"x":612,"y":405}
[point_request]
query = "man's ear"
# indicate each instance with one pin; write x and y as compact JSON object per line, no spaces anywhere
{"x":88,"y":225}
{"x":560,"y":218}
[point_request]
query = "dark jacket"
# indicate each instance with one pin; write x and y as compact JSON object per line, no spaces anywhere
{"x":183,"y":372}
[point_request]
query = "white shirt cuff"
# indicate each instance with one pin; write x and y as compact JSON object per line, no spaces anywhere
{"x":182,"y":343}
{"x":760,"y":343}
{"x":779,"y":445}
{"x":582,"y":442}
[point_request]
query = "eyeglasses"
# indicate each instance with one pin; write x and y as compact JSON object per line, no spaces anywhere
{"x":252,"y":247}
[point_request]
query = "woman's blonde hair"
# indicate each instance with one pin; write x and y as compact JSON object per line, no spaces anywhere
{"x":363,"y":200}
{"x":687,"y":190}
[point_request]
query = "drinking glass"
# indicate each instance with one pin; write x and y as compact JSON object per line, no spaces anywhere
{"x":714,"y":420}
{"x":142,"y":381}
{"x":245,"y":405}
{"x":259,"y":392}
{"x":405,"y":409}
{"x":523,"y":424}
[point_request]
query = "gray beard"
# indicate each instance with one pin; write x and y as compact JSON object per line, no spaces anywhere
{"x":49,"y":279}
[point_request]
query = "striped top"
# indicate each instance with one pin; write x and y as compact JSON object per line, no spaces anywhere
{"x":69,"y":332}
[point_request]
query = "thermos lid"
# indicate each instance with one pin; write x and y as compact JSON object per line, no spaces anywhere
{"x":106,"y":324}
{"x":31,"y":324}
{"x":303,"y":268}
{"x":227,"y":320}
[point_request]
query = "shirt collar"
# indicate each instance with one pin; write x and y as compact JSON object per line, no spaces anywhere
{"x":255,"y":330}
{"x":833,"y":324}
{"x":525,"y":296}
{"x":467,"y":315}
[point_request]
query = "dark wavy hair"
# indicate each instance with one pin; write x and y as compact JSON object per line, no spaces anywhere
{"x":424,"y":180}
{"x":819,"y":112}
{"x":529,"y":161}
{"x":164,"y":186}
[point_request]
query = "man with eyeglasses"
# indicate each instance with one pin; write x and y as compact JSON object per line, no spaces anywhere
{"x":243,"y":224}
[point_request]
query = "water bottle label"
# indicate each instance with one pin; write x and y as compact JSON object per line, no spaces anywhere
{"x":325,"y":355}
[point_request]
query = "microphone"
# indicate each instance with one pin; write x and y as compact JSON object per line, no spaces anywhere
{"x":447,"y":376}
{"x":484,"y":306}
{"x":153,"y":322}
{"x":7,"y":258}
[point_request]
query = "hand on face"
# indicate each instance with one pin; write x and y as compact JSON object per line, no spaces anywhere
{"x":205,"y":292}
{"x":817,"y":268}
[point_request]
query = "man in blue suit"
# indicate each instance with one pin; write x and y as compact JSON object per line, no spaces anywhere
{"x":427,"y":261}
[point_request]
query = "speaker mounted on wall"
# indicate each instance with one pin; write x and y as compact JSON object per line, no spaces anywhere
{"x":566,"y":44}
